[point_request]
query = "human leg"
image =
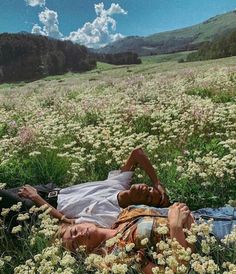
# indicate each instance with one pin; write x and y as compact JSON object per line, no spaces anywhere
{"x":224,"y":219}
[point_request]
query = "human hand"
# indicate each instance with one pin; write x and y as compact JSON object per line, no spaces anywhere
{"x":165,"y":202}
{"x":160,"y":188}
{"x":28,"y":192}
{"x":178,"y":215}
{"x":190,"y":220}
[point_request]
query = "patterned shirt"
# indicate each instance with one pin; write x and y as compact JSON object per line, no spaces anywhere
{"x":137,"y":224}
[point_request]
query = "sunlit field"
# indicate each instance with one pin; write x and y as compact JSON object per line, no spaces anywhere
{"x":75,"y":128}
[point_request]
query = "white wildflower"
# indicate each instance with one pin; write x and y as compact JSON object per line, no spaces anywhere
{"x":129,"y":247}
{"x":119,"y":268}
{"x":16,"y":229}
{"x":144,"y":241}
{"x":162,"y":229}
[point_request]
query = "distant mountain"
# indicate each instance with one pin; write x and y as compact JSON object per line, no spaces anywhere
{"x":23,"y":32}
{"x":188,"y":38}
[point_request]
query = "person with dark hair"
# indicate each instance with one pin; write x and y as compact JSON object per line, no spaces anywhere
{"x":97,"y":202}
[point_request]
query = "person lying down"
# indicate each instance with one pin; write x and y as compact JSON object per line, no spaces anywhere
{"x":99,"y":202}
{"x":142,"y":228}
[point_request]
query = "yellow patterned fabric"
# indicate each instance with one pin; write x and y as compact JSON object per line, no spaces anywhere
{"x":132,"y":212}
{"x":137,"y":224}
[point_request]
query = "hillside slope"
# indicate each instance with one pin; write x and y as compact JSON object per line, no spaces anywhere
{"x":189,"y":38}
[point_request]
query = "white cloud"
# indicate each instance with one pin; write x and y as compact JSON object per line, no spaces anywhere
{"x":116,"y":36}
{"x":99,"y":8}
{"x":37,"y":30}
{"x":34,"y":3}
{"x":116,"y":9}
{"x":102,"y":30}
{"x":49,"y":19}
{"x":95,"y":34}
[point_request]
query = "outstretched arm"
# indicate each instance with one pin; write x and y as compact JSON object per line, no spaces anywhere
{"x":31,"y":193}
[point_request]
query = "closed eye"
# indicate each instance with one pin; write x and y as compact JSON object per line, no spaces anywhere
{"x":74,"y":245}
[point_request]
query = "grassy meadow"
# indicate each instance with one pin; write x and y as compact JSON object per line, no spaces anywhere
{"x":74,"y":128}
{"x":178,"y":56}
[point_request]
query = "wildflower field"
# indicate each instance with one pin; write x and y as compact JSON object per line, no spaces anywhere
{"x":77,"y":127}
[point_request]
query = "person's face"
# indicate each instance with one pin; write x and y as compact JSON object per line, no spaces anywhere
{"x":144,"y":194}
{"x":77,"y":235}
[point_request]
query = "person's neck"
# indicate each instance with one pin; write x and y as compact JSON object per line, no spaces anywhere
{"x":123,"y":198}
{"x":107,"y":233}
{"x":103,"y":235}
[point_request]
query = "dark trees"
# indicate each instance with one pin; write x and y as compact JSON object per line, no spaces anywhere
{"x":29,"y":57}
{"x":124,"y":58}
{"x":221,"y":47}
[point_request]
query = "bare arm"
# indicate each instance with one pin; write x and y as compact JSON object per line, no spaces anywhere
{"x":31,"y":193}
{"x":148,"y":268}
{"x":131,"y":162}
{"x":178,"y":216}
{"x":138,"y":157}
{"x":146,"y":264}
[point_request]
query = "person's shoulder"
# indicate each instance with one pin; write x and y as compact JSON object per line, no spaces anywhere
{"x":113,"y":173}
{"x":120,"y":176}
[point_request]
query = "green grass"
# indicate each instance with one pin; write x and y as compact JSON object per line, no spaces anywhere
{"x":104,"y":66}
{"x":12,"y":85}
{"x":60,"y":78}
{"x":172,"y":57}
{"x":206,"y":30}
{"x":46,"y":167}
{"x":217,"y":96}
{"x":178,"y":94}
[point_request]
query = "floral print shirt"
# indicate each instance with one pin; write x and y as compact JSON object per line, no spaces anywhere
{"x":143,"y":226}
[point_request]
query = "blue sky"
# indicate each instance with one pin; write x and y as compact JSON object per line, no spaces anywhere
{"x":96,"y":23}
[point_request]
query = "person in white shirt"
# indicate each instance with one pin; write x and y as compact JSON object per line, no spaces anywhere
{"x":95,"y":202}
{"x":100,"y":202}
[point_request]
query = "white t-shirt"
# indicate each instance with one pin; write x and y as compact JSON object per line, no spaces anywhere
{"x":95,"y":202}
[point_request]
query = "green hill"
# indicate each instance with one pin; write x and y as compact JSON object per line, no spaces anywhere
{"x":223,"y":46}
{"x":189,"y":38}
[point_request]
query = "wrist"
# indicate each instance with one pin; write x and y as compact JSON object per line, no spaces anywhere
{"x":157,"y":182}
{"x":175,"y":226}
{"x":34,"y":197}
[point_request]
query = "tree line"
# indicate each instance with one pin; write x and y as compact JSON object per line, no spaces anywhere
{"x":28,"y":57}
{"x":224,"y":46}
{"x":124,"y":58}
